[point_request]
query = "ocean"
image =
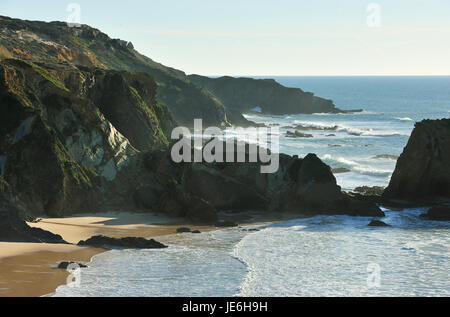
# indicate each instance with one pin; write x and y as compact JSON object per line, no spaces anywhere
{"x":318,"y":256}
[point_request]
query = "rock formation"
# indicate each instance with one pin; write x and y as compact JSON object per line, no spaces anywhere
{"x":62,"y":137}
{"x":422,"y":174}
{"x":128,"y":243}
{"x":66,"y":265}
{"x":244,"y":94}
{"x":439,"y":213}
{"x":378,"y":223}
{"x":13,"y":228}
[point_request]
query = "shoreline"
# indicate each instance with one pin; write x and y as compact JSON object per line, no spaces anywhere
{"x":28,"y":269}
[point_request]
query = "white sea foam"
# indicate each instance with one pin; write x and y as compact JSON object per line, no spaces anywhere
{"x":367,"y":170}
{"x":356,"y":166}
{"x":319,"y":256}
{"x":404,"y":119}
{"x":351,"y":130}
{"x":347,"y":162}
{"x":330,"y":256}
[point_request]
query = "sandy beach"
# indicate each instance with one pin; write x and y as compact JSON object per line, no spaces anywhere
{"x":27,"y":269}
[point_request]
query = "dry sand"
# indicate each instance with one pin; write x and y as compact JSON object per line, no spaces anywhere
{"x":27,"y":269}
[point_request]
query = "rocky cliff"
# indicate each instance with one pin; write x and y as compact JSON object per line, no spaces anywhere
{"x":57,"y":44}
{"x":79,"y":133}
{"x":422,"y":175}
{"x":199,"y":190}
{"x":12,"y":226}
{"x":244,"y":94}
{"x":62,"y":131}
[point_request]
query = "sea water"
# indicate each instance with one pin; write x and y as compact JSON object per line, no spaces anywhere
{"x":319,"y":256}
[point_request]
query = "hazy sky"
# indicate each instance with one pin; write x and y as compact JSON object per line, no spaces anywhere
{"x":267,"y":37}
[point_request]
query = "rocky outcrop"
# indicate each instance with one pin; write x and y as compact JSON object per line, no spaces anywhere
{"x":13,"y":228}
{"x":245,"y":94}
{"x":184,"y":230}
{"x":188,"y":230}
{"x":66,"y":135}
{"x":422,"y":174}
{"x":439,"y":213}
{"x":298,"y":134}
{"x":128,"y":243}
{"x":197,"y":191}
{"x":66,"y":265}
{"x":378,"y":223}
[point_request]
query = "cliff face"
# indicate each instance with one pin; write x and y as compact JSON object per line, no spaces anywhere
{"x":422,"y":174}
{"x":199,"y":190}
{"x":57,"y":44}
{"x":13,"y":228}
{"x":244,"y":94}
{"x":62,"y":132}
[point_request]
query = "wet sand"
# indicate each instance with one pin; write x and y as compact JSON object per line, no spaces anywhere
{"x":27,"y":269}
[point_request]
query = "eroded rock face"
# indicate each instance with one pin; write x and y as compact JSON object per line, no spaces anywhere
{"x":304,"y":186}
{"x":378,"y":223}
{"x":13,"y":228}
{"x":270,"y":97}
{"x":422,"y":174}
{"x":59,"y":151}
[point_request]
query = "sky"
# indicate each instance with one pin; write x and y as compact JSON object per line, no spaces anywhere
{"x":266,"y":37}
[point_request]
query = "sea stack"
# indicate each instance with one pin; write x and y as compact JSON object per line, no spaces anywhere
{"x":422,"y":175}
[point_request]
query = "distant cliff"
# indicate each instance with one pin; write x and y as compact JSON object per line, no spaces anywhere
{"x":422,"y":175}
{"x":244,"y":94}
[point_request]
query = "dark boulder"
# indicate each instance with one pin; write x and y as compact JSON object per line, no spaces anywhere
{"x":129,"y":243}
{"x":65,"y":265}
{"x":422,"y":174}
{"x":370,"y":191}
{"x":378,"y":223}
{"x":184,"y":230}
{"x":298,"y":134}
{"x":250,"y":230}
{"x":310,"y":187}
{"x":439,"y":213}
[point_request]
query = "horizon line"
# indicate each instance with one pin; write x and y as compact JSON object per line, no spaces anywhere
{"x":246,"y":75}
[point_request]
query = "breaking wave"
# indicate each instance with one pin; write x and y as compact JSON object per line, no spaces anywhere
{"x":404,"y":119}
{"x":355,"y":166}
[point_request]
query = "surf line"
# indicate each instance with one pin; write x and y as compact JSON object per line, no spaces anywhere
{"x":236,"y":151}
